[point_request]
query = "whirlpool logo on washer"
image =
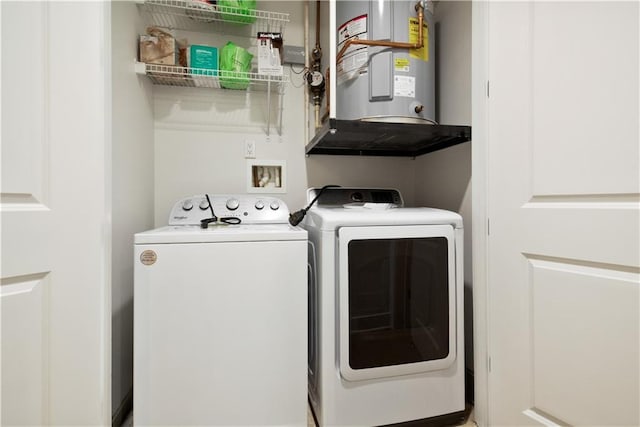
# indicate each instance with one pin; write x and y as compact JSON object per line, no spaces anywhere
{"x":148,"y":257}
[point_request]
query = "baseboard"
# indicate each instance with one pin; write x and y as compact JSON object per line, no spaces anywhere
{"x":123,"y":410}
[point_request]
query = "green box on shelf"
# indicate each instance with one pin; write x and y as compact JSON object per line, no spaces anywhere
{"x":204,"y":60}
{"x":240,"y":11}
{"x":235,"y":63}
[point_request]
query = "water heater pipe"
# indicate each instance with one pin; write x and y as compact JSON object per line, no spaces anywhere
{"x":401,"y":45}
{"x":315,"y":78}
{"x":318,"y":25}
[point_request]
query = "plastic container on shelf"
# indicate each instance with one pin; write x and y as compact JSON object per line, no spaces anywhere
{"x":241,"y":11}
{"x":235,"y":63}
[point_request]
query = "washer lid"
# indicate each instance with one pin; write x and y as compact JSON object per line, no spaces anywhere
{"x":332,"y":218}
{"x":221,"y":233}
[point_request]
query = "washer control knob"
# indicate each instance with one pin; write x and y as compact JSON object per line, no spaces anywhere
{"x":233,"y":204}
{"x":187,"y":205}
{"x":259,"y":205}
{"x":204,"y":204}
{"x":274,"y":205}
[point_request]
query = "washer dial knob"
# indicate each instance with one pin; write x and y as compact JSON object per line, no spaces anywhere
{"x":204,"y":204}
{"x":274,"y":206}
{"x":259,"y":205}
{"x":233,"y":204}
{"x":187,"y":205}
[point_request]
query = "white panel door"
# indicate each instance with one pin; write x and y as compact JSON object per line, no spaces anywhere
{"x":54,"y":304}
{"x":563,"y":206}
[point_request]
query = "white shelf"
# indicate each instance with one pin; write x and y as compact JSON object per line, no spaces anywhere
{"x":170,"y":75}
{"x":187,"y":14}
{"x":202,"y":17}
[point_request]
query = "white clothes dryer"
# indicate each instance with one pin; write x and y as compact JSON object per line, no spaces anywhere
{"x":220,"y":327}
{"x":386,"y":326}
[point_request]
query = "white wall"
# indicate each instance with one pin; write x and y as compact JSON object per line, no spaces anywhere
{"x":443,"y":178}
{"x":200,"y":134}
{"x":132,"y":185}
{"x":358,"y":171}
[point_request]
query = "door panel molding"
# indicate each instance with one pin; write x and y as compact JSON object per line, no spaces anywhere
{"x":576,"y":336}
{"x":576,"y":98}
{"x":25,"y":349}
{"x":20,"y":284}
{"x":584,"y":231}
{"x":600,"y":266}
{"x":20,"y":202}
{"x":25,"y":148}
{"x":617,"y":201}
{"x":540,"y":417}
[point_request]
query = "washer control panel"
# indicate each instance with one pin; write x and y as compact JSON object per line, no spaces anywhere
{"x":250,"y":209}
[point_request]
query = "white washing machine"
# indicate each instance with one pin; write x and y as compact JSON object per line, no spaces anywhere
{"x":386,"y":325}
{"x":220,"y":326}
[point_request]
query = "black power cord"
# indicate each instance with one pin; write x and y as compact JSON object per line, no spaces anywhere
{"x":297,"y":217}
{"x":204,"y":223}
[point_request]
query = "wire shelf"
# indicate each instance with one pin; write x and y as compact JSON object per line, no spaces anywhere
{"x":171,"y":75}
{"x":190,"y":14}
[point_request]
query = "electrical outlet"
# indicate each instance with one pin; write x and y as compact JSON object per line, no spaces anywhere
{"x":249,"y":149}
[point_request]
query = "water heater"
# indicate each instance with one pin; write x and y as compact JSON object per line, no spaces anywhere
{"x":382,"y":83}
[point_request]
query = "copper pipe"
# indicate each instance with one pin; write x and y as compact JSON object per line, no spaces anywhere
{"x":385,"y":43}
{"x":328,"y":97}
{"x":317,"y":24}
{"x":307,"y":62}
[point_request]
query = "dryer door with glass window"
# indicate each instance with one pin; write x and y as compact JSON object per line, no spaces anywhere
{"x":396,"y":300}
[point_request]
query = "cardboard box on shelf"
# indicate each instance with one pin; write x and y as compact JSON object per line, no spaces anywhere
{"x":159,"y":47}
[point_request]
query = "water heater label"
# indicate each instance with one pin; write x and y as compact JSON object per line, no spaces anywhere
{"x":423,"y":52}
{"x":352,"y":28}
{"x":404,"y":86}
{"x":401,"y":64}
{"x":354,"y":61}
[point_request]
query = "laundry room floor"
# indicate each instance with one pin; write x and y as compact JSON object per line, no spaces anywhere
{"x":128,"y":422}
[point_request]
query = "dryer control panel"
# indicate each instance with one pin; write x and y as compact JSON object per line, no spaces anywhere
{"x":249,"y":209}
{"x":341,"y":196}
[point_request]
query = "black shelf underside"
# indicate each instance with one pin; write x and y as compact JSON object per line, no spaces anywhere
{"x":361,"y":138}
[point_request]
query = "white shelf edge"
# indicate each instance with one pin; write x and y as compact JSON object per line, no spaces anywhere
{"x":197,"y":13}
{"x":184,"y":74}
